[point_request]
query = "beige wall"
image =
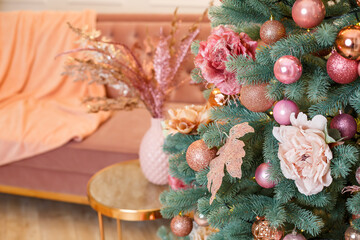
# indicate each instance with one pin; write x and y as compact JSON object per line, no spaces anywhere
{"x":109,"y":6}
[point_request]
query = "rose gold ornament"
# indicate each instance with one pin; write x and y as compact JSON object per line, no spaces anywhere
{"x":198,"y":155}
{"x":352,"y":234}
{"x":216,"y":98}
{"x":181,"y":226}
{"x":253,"y":97}
{"x":200,"y":219}
{"x":358,"y":2}
{"x":272,"y":31}
{"x":308,"y":13}
{"x":262,"y":231}
{"x":347,"y":42}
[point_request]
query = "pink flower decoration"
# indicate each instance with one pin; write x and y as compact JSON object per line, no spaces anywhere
{"x":304,"y":154}
{"x":213,"y":53}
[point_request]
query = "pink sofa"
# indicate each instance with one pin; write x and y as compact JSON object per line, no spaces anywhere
{"x":62,"y":174}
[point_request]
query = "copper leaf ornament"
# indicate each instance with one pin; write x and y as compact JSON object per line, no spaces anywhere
{"x":231,"y":155}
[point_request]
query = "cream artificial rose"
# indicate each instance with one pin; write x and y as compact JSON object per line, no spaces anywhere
{"x":304,"y":154}
{"x":187,"y":119}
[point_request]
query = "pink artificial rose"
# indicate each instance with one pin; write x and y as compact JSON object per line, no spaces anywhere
{"x":213,"y":53}
{"x":304,"y":154}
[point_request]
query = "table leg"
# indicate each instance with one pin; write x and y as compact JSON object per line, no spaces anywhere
{"x":101,"y":226}
{"x":118,"y":223}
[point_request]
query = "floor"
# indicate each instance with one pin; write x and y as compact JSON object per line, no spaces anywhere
{"x":23,"y":218}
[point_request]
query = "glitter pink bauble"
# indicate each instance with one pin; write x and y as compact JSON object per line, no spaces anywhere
{"x":345,"y":124}
{"x":295,"y":236}
{"x":342,"y":70}
{"x":282,"y":111}
{"x":357,"y":175}
{"x":359,"y":69}
{"x":308,"y":13}
{"x":288,"y":69}
{"x":262,"y":176}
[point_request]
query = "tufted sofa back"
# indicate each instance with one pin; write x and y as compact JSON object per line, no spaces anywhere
{"x":132,"y":28}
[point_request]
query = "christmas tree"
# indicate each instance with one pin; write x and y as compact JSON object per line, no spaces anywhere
{"x":278,"y":157}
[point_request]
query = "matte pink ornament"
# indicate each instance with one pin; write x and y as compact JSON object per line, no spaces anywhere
{"x":308,"y":13}
{"x":342,"y":70}
{"x":345,"y":124}
{"x":262,"y":176}
{"x":282,"y":111}
{"x":357,"y":175}
{"x":288,"y":69}
{"x":294,"y":236}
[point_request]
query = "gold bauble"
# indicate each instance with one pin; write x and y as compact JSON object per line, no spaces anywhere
{"x":217,"y":98}
{"x":347,"y":42}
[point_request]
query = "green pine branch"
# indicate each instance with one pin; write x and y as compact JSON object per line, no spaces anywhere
{"x":179,"y":168}
{"x":249,"y":71}
{"x":181,"y":201}
{"x":338,"y":97}
{"x":345,"y":156}
{"x":178,"y":143}
{"x":304,"y":219}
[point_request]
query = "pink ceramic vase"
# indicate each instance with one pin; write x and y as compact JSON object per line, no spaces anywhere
{"x":153,"y":161}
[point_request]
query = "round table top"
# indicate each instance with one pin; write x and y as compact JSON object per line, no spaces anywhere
{"x":122,"y":191}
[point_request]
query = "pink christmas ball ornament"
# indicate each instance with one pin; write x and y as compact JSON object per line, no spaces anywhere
{"x":288,"y":69}
{"x":359,"y":69}
{"x":308,"y":13}
{"x":294,"y":236}
{"x":176,"y":183}
{"x":345,"y":124}
{"x":342,"y":70}
{"x":262,"y":176}
{"x":282,"y":111}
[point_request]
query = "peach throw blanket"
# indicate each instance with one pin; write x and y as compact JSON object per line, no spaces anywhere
{"x":39,"y":109}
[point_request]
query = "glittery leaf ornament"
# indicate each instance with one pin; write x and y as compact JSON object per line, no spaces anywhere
{"x":231,"y":155}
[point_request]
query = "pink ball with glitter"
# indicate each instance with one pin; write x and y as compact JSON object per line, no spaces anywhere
{"x":262,"y":176}
{"x":308,"y":13}
{"x":294,"y":236}
{"x":342,"y":70}
{"x":282,"y":111}
{"x":288,"y":69}
{"x":359,"y":69}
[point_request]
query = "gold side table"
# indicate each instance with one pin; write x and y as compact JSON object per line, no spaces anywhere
{"x":121,"y":191}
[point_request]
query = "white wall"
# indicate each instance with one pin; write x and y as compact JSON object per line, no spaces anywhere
{"x":108,"y":6}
